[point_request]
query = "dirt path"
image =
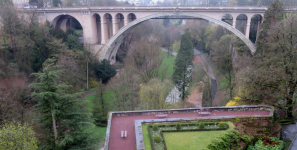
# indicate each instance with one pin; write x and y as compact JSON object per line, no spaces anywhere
{"x":195,"y":98}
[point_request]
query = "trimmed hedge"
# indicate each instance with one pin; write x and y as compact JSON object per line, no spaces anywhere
{"x":178,"y":126}
{"x":201,"y":125}
{"x":157,"y":139}
{"x":155,"y":127}
{"x":222,"y":125}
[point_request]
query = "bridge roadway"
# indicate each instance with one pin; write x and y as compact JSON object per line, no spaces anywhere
{"x":127,"y":123}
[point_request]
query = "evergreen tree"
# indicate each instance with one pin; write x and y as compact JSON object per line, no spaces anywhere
{"x":73,"y":43}
{"x":104,"y":70}
{"x":100,"y":106}
{"x":166,"y":21}
{"x":64,"y":116}
{"x":184,"y":65}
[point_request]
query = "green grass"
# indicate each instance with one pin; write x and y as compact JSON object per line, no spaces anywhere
{"x":193,"y":141}
{"x":107,"y":97}
{"x":168,"y":62}
{"x":146,"y":137}
{"x":78,"y":31}
{"x":90,"y":90}
{"x":100,"y":130}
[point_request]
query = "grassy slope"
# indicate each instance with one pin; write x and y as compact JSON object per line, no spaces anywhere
{"x":100,"y":130}
{"x":168,"y":63}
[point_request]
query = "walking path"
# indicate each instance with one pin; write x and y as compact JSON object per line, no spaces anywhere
{"x":127,"y":123}
{"x":294,"y":144}
{"x":291,"y":133}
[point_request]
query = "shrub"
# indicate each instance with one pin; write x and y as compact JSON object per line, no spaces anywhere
{"x":229,"y":140}
{"x":16,"y":135}
{"x":155,"y":127}
{"x":260,"y":145}
{"x":246,"y":139}
{"x":201,"y":125}
{"x":178,"y":126}
{"x":93,"y":83}
{"x":236,"y":120}
{"x":222,"y":125}
{"x":157,"y":139}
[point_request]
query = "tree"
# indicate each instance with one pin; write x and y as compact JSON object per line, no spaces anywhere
{"x":11,"y":26}
{"x":15,"y":135}
{"x":206,"y":96}
{"x":222,"y":55}
{"x":64,"y":116}
{"x":166,"y":21}
{"x":6,"y":2}
{"x":125,"y":92}
{"x":167,"y":42}
{"x":271,"y":79}
{"x":145,"y":59}
{"x":73,"y":43}
{"x":153,"y":94}
{"x":104,"y":70}
{"x":100,"y":106}
{"x":176,"y":46}
{"x":183,"y":65}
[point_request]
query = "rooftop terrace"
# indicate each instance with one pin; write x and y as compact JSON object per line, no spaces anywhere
{"x":131,"y":122}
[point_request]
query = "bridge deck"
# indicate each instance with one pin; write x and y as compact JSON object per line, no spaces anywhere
{"x":127,"y":123}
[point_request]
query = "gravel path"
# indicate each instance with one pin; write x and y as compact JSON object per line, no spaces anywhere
{"x":127,"y":123}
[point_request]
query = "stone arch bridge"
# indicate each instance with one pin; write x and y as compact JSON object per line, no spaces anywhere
{"x":105,"y":27}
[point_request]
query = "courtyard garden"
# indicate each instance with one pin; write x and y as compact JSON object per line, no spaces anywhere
{"x":238,"y":133}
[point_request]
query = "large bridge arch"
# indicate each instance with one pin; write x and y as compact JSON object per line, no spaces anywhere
{"x":109,"y":50}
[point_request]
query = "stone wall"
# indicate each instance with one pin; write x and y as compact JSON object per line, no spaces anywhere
{"x":191,"y":110}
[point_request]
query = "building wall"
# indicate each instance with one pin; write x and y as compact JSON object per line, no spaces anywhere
{"x":17,"y":2}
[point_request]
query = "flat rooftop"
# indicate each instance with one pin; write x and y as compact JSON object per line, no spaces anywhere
{"x":119,"y":121}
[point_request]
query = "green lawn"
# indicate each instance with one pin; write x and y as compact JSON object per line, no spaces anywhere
{"x":187,"y":145}
{"x":190,"y":140}
{"x":100,"y":130}
{"x":146,"y":137}
{"x":78,"y":31}
{"x":106,"y":96}
{"x":90,"y":90}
